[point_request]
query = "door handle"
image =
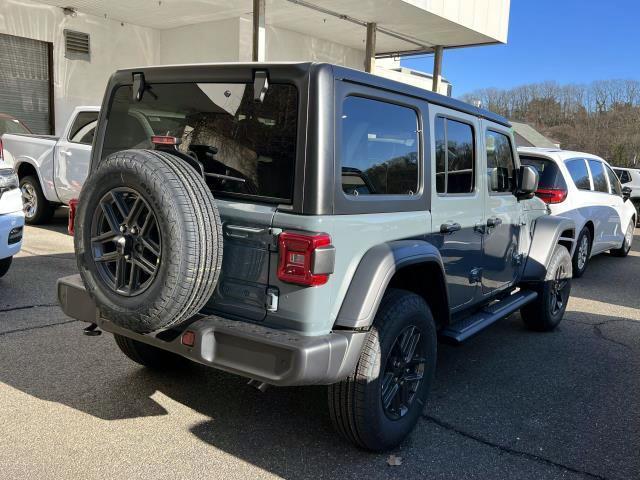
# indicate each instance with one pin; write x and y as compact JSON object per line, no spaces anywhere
{"x":450,"y":227}
{"x":66,"y":153}
{"x":494,"y":222}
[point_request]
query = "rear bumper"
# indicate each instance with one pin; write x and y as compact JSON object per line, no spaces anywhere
{"x":277,"y":357}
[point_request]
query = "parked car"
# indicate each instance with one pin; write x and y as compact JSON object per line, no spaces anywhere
{"x":355,"y":217}
{"x":583,"y":187}
{"x":9,"y":124}
{"x":11,"y":218}
{"x":630,"y":179}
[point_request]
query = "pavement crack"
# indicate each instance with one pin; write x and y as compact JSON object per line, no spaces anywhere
{"x":510,"y":451}
{"x":600,"y":334}
{"x":26,"y":307}
{"x":36,"y":327}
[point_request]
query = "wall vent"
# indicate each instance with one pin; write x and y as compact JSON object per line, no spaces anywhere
{"x":76,"y":45}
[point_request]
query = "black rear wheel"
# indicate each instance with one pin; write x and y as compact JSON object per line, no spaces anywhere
{"x":379,"y":404}
{"x":37,"y":209}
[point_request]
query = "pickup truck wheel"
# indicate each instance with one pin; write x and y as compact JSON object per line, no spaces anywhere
{"x":624,"y":250}
{"x":37,"y":208}
{"x":147,"y":355}
{"x":581,"y":255}
{"x":5,"y":264}
{"x":148,"y":240}
{"x":379,"y":404}
{"x":545,"y":312}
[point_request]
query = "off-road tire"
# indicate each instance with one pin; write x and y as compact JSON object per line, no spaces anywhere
{"x":355,"y":404}
{"x":44,"y":209}
{"x":577,"y":271}
{"x":624,"y":250}
{"x":539,"y":315}
{"x":148,"y":355}
{"x":5,"y":264}
{"x":189,"y":229}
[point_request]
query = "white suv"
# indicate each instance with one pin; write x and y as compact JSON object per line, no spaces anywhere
{"x":583,"y":187}
{"x":630,"y":178}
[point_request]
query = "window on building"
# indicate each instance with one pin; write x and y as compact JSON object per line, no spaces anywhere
{"x":379,"y":149}
{"x":616,"y":188}
{"x":579,"y":173}
{"x":455,"y":170}
{"x":500,"y":164}
{"x":598,"y":175}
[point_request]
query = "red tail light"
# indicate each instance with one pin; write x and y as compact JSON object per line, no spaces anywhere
{"x":73,"y":205}
{"x":297,"y":258}
{"x":551,"y":195}
{"x":1,"y":157}
{"x":164,"y":140}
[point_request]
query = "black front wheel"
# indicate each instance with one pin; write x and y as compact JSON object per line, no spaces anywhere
{"x":625,"y":248}
{"x":5,"y":264}
{"x":379,"y":404}
{"x":582,"y":254}
{"x":545,"y":312}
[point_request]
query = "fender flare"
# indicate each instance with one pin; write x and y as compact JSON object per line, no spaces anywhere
{"x":373,"y":274}
{"x":547,"y":233}
{"x":49,"y":193}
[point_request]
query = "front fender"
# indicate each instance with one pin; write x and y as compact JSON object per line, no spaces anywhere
{"x":548,"y":231}
{"x":375,"y":271}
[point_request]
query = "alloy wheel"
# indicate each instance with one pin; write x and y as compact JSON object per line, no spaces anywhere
{"x":558,"y":290}
{"x":125,"y":241}
{"x":583,"y":252}
{"x":29,"y":200}
{"x":403,"y":373}
{"x":628,"y":238}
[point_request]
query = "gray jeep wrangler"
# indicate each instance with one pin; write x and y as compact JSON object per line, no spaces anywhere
{"x":304,"y":224}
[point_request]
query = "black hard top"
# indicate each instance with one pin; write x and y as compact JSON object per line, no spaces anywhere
{"x":280,"y":71}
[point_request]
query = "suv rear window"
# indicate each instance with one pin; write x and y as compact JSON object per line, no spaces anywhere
{"x":248,"y":146}
{"x":550,"y":175}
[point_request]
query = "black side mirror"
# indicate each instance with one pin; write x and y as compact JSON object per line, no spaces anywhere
{"x":527,"y":182}
{"x":626,"y":193}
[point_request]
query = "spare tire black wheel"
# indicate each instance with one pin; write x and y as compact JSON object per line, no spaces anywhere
{"x":148,"y":240}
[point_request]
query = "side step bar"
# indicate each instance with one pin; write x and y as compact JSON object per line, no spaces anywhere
{"x":460,"y":331}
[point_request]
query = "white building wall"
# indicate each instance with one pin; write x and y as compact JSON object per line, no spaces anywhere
{"x":78,"y":82}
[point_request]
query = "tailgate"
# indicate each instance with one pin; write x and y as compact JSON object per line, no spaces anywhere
{"x":242,"y":287}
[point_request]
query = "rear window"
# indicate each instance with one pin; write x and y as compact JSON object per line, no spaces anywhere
{"x":247,"y":147}
{"x":550,"y":175}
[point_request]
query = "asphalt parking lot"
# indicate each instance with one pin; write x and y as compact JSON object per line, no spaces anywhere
{"x":508,"y":404}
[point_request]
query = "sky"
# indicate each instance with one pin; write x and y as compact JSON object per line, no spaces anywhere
{"x":569,"y":41}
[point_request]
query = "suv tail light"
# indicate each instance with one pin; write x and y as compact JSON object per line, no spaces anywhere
{"x":551,"y":195}
{"x":73,"y":205}
{"x":305,"y":259}
{"x":1,"y":147}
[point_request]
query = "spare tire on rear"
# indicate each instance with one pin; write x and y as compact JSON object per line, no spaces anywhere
{"x":148,"y":240}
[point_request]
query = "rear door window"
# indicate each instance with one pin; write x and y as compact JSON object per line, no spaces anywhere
{"x":548,"y":171}
{"x":455,"y":170}
{"x":379,"y":149}
{"x":83,"y":128}
{"x":599,"y":176}
{"x":500,"y":163}
{"x":579,"y":173}
{"x":624,"y":176}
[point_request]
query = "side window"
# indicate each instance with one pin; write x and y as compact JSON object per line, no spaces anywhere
{"x":455,"y":171}
{"x":616,"y":189}
{"x":380,"y":146}
{"x":598,"y":175}
{"x":500,"y":164}
{"x":83,"y":127}
{"x":579,"y":173}
{"x":625,"y":176}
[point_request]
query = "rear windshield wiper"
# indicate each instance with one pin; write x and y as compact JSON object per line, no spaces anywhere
{"x":225,"y":177}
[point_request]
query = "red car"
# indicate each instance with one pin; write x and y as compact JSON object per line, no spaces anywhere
{"x":9,"y":124}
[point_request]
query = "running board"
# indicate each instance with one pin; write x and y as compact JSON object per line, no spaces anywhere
{"x":460,"y":331}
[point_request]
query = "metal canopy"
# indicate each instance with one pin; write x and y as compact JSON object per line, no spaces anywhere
{"x":402,"y":25}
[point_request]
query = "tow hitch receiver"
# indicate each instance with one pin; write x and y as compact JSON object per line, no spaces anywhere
{"x":92,"y":330}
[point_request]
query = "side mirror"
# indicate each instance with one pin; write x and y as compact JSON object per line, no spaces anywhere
{"x":626,"y":193}
{"x":527,"y":182}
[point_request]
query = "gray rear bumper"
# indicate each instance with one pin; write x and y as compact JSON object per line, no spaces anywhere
{"x":277,"y":357}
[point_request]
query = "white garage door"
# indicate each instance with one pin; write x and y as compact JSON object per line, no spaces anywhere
{"x":25,"y":85}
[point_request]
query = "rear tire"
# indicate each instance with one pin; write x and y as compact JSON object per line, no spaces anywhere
{"x":582,"y":254}
{"x":5,"y":264}
{"x":364,"y":408}
{"x":624,"y":250}
{"x":546,"y":312}
{"x":37,"y":209}
{"x":147,"y":355}
{"x":148,"y":240}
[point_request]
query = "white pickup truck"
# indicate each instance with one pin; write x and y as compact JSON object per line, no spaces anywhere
{"x":51,"y":169}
